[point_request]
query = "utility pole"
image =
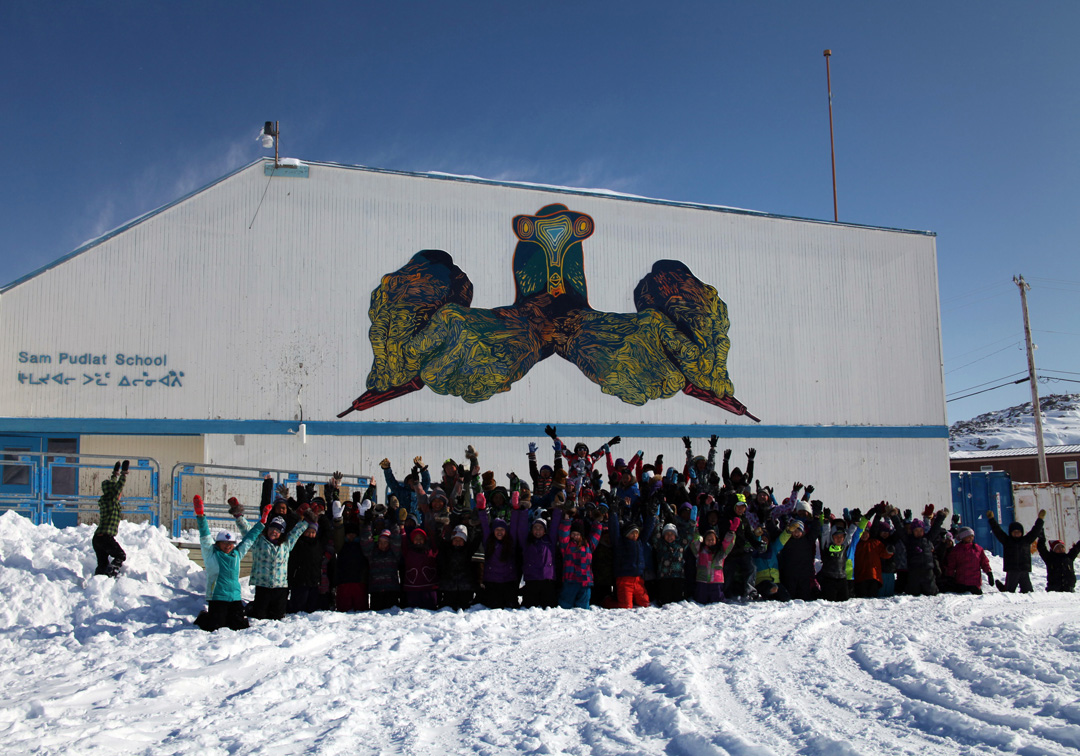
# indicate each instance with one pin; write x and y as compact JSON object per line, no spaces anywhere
{"x":832,"y":145}
{"x":1044,"y":477}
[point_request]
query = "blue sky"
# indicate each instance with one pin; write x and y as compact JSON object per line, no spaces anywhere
{"x":960,"y":118}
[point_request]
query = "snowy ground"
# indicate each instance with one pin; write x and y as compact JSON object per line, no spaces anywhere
{"x":100,"y":666}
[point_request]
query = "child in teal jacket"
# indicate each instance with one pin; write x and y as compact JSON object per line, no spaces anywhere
{"x":221,"y":556}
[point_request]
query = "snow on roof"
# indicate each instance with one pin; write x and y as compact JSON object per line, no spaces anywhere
{"x":1027,"y":451}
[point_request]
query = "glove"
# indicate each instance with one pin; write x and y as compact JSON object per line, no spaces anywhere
{"x":385,"y":464}
{"x":336,"y":510}
{"x":856,"y":515}
{"x":200,"y":510}
{"x":828,"y":513}
{"x":693,"y":513}
{"x":928,"y":511}
{"x":357,"y":497}
{"x":550,"y":430}
{"x":124,"y":467}
{"x":265,"y":514}
{"x":712,"y":440}
{"x":727,"y":454}
{"x":640,"y":454}
{"x":989,"y":515}
{"x":309,"y":490}
{"x":615,"y":440}
{"x":686,"y":441}
{"x":418,"y":461}
{"x":235,"y":508}
{"x":735,"y":523}
{"x":532,"y":447}
{"x":515,"y":500}
{"x":751,"y":453}
{"x":816,"y":507}
{"x":809,"y":490}
{"x":282,"y":490}
{"x":907,"y":514}
{"x":481,"y":502}
{"x":990,"y":577}
{"x":1042,"y":514}
{"x":116,"y":469}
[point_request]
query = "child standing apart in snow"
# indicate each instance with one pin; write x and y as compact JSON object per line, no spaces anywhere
{"x":1060,"y":572}
{"x":104,"y":541}
{"x":1016,"y":552}
{"x":222,"y":556}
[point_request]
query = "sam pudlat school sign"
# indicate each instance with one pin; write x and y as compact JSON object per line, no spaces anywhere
{"x":79,"y":369}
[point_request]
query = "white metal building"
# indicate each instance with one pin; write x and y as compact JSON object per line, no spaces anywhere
{"x":187,"y":334}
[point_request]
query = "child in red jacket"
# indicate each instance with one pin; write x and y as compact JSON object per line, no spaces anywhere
{"x":964,"y":563}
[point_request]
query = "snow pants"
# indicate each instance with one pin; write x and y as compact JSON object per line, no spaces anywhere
{"x":1021,"y":580}
{"x":739,"y":575}
{"x":303,"y":598}
{"x":352,"y":597}
{"x":422,"y":599}
{"x":668,"y":590}
{"x":269,"y":603}
{"x":574,"y":596}
{"x":833,"y":589}
{"x":219,"y":614}
{"x":106,"y":547}
{"x":384,"y":600}
{"x":630,"y":592}
{"x":540,"y":593}
{"x":456,"y":599}
{"x":922,"y":583}
{"x":708,"y":593}
{"x":501,"y":596}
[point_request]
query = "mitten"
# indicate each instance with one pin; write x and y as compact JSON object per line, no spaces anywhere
{"x":481,"y":501}
{"x":116,"y":469}
{"x":928,"y":511}
{"x":265,"y":514}
{"x":124,"y":467}
{"x":385,"y":463}
{"x":236,"y":509}
{"x":712,"y":440}
{"x":336,"y":509}
{"x":735,"y":523}
{"x":727,"y":454}
{"x":515,"y":500}
{"x":200,"y":510}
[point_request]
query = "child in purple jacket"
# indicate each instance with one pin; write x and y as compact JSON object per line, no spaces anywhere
{"x":539,"y":557}
{"x":502,"y":571}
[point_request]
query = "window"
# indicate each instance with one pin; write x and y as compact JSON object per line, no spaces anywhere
{"x":1070,"y":471}
{"x":986,"y":468}
{"x":15,"y":475}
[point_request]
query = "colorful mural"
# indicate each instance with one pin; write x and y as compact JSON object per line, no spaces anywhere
{"x":425,"y":333}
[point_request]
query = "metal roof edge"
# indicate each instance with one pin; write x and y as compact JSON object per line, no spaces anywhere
{"x":87,"y":246}
{"x":445,"y":177}
{"x":599,"y":194}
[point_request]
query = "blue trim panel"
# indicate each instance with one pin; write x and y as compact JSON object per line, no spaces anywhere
{"x":286,"y":171}
{"x":150,"y":427}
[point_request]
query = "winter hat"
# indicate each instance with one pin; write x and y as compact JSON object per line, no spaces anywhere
{"x":802,"y":506}
{"x":799,"y":525}
{"x":313,"y":526}
{"x":278,"y":523}
{"x":839,"y":530}
{"x":414,"y":531}
{"x":685,"y":505}
{"x":620,"y":463}
{"x":964,"y":533}
{"x":670,"y":528}
{"x":1055,"y":544}
{"x":488,"y":483}
{"x":581,"y":449}
{"x":1016,"y":526}
{"x":450,"y":462}
{"x":740,"y":500}
{"x":578,"y":526}
{"x":542,"y":521}
{"x":388,"y":534}
{"x":885,"y":527}
{"x":631,"y":528}
{"x":438,"y":494}
{"x":461,"y":532}
{"x":546,"y":467}
{"x":499,"y":523}
{"x":225,"y":537}
{"x":558,"y":480}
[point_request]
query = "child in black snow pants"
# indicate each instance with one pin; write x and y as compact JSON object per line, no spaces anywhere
{"x":1060,"y":572}
{"x":1017,"y":552}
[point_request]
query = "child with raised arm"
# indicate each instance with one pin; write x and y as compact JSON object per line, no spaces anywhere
{"x":577,"y":553}
{"x":221,"y":558}
{"x":710,"y":553}
{"x":1016,"y":552}
{"x":269,"y":563}
{"x":109,"y":510}
{"x":1060,"y":572}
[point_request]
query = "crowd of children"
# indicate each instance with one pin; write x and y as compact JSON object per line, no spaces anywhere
{"x":650,"y":536}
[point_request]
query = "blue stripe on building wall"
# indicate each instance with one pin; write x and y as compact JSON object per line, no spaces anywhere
{"x":164,"y":427}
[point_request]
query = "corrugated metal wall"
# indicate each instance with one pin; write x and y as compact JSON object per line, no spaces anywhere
{"x":829,"y":324}
{"x":252,"y":298}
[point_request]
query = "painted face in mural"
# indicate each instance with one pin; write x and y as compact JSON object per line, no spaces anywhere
{"x":424,"y":331}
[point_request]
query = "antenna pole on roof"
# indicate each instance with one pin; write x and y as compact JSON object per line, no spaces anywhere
{"x":832,"y":145}
{"x":1035,"y":407}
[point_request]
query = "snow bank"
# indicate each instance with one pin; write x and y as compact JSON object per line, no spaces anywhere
{"x":1014,"y":427}
{"x":97,"y":666}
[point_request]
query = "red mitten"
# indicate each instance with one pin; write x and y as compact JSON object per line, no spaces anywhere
{"x":515,"y":500}
{"x":481,"y":501}
{"x":200,"y":510}
{"x":928,"y":512}
{"x":735,"y":523}
{"x":265,"y":514}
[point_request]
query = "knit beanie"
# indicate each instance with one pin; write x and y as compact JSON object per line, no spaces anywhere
{"x":488,"y":481}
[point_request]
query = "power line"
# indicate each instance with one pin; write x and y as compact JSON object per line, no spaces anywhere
{"x":977,"y":301}
{"x":1003,"y":385}
{"x":974,"y":291}
{"x":1063,"y":333}
{"x":995,"y":380}
{"x":979,"y":349}
{"x":1066,"y":372}
{"x":1055,"y":280}
{"x":1009,"y":346}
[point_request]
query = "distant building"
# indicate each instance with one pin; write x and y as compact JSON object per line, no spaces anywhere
{"x":1062,"y":463}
